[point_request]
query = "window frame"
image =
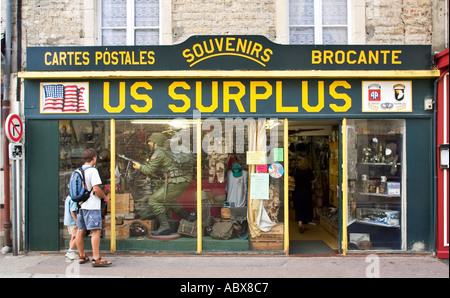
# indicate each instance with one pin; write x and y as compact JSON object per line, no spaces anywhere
{"x":318,"y":25}
{"x":130,"y":27}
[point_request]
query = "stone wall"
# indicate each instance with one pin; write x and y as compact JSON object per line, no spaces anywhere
{"x":249,"y":17}
{"x":53,"y":22}
{"x":399,"y":21}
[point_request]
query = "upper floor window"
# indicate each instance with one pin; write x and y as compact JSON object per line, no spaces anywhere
{"x":319,"y":22}
{"x":129,"y":22}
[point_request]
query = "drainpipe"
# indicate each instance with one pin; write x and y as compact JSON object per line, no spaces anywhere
{"x":5,"y":113}
{"x":18,"y":93}
{"x":435,"y":151}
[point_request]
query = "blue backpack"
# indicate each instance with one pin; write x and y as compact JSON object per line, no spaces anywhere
{"x":77,"y":188}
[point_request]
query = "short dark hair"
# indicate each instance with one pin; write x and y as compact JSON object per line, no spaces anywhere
{"x":89,"y":154}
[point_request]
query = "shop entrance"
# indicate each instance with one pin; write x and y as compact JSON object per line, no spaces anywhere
{"x":313,"y":149}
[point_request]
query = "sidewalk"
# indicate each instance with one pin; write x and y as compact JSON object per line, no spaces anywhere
{"x":226,"y":266}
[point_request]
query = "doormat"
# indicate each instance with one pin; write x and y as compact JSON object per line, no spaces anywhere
{"x":310,"y":247}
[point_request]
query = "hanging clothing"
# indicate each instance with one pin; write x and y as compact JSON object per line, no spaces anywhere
{"x":217,"y":158}
{"x":217,"y":166}
{"x":263,"y":220}
{"x":237,"y":189}
{"x":272,"y":205}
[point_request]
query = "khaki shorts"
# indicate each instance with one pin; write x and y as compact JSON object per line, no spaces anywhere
{"x":72,"y":230}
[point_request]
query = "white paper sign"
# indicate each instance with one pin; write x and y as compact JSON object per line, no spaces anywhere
{"x":259,"y":187}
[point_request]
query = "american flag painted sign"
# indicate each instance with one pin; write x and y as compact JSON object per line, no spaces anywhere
{"x":65,"y":98}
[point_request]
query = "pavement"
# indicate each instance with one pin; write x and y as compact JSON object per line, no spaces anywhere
{"x":228,"y":266}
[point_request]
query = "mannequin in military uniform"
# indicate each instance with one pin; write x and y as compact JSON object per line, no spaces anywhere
{"x":176,"y":182}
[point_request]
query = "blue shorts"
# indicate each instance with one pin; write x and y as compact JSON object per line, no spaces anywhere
{"x":89,"y":219}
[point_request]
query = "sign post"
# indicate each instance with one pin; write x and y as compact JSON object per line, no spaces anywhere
{"x":14,"y":132}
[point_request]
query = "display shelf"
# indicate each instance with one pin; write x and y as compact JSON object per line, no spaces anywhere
{"x":376,"y":182}
{"x":375,"y":224}
{"x":378,"y":164}
{"x":379,"y":195}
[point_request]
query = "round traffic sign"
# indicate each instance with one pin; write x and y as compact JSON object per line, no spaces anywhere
{"x":13,"y":128}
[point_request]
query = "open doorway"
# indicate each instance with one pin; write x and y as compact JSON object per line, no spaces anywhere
{"x":313,"y":147}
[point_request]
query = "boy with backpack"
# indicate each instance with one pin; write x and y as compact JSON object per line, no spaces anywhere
{"x":89,"y":215}
{"x":70,"y":220}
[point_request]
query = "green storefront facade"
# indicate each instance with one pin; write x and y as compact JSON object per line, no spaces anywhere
{"x":371,"y":98}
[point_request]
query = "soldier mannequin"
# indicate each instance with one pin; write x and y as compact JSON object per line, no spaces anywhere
{"x":176,"y":182}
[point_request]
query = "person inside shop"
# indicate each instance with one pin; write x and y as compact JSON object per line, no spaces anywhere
{"x":302,"y":195}
{"x":89,"y":215}
{"x":177,"y":180}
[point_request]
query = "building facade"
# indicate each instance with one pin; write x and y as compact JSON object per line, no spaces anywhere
{"x":112,"y":51}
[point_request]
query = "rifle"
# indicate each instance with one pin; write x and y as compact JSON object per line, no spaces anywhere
{"x":129,"y":165}
{"x":129,"y":159}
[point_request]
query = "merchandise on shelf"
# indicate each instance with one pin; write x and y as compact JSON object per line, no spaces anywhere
{"x":393,"y":188}
{"x":378,"y":216}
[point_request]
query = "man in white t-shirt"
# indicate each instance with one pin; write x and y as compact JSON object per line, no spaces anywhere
{"x":89,"y":215}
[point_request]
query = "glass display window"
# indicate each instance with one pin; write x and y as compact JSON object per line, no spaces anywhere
{"x":156,"y":171}
{"x":242,"y":174}
{"x":155,"y":167}
{"x":376,"y":193}
{"x":74,"y":137}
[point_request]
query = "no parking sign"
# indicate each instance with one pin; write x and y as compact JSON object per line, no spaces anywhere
{"x":14,"y":128}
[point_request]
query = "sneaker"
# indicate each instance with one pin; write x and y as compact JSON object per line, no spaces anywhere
{"x":71,"y":255}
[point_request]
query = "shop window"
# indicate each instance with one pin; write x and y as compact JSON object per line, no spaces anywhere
{"x":242,"y":185}
{"x":155,"y":182}
{"x":129,"y":22}
{"x":376,"y":193}
{"x":74,"y":137}
{"x":318,"y":21}
{"x":242,"y":178}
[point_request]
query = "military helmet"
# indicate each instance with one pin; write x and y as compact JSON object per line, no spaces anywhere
{"x":157,"y":138}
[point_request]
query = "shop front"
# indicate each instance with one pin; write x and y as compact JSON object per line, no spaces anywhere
{"x":239,"y":123}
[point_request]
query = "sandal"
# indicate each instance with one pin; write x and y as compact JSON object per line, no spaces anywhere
{"x":83,"y":259}
{"x":100,"y":263}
